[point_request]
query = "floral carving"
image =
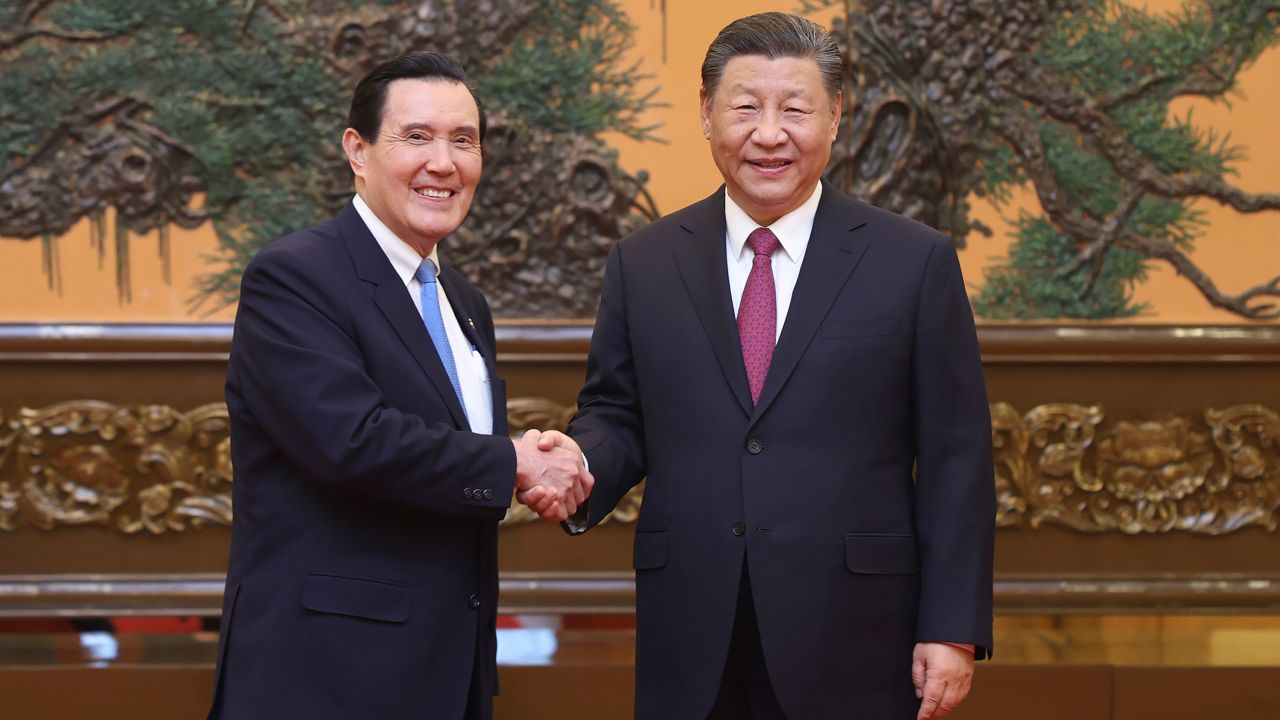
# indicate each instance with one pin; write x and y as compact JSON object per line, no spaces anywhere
{"x":137,"y":468}
{"x":1150,"y":476}
{"x":154,"y":469}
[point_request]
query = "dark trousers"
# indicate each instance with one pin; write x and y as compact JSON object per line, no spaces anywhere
{"x":745,"y":690}
{"x":479,"y":702}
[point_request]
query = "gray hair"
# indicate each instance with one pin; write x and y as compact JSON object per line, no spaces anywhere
{"x":774,"y":35}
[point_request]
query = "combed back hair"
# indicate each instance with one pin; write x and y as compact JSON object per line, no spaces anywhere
{"x":370,"y":97}
{"x":774,"y":35}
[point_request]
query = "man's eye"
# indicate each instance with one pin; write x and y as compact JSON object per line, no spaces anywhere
{"x":416,"y":137}
{"x":463,"y":141}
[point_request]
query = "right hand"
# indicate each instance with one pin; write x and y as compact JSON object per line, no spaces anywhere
{"x":549,"y":481}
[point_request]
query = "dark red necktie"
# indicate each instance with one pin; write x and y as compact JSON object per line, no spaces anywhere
{"x":758,"y":311}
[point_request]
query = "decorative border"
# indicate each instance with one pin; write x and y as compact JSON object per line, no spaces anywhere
{"x":42,"y":596}
{"x":153,"y":469}
{"x":1054,"y":465}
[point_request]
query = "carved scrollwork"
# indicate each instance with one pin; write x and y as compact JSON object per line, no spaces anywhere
{"x":1149,"y":476}
{"x":153,"y":469}
{"x":136,"y":468}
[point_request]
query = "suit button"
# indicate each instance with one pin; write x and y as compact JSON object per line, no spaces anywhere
{"x":473,"y":602}
{"x":754,"y":447}
{"x":488,"y":494}
{"x":739,"y":528}
{"x":466,"y":493}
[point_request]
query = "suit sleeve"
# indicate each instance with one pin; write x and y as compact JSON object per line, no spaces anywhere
{"x":955,"y":489}
{"x":609,"y":425}
{"x":302,"y":376}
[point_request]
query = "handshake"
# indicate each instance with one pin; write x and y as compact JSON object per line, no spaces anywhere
{"x":551,"y":477}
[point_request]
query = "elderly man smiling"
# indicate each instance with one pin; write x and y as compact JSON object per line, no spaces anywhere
{"x":369,"y":437}
{"x":797,"y":375}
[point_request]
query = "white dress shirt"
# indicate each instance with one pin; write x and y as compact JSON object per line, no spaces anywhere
{"x":473,"y":375}
{"x":792,"y":231}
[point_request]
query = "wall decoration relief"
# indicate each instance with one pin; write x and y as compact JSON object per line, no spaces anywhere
{"x":236,"y":119}
{"x":1213,"y":475}
{"x":153,"y":469}
{"x":1073,"y":99}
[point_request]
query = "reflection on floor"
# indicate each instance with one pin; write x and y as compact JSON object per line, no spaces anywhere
{"x":531,"y":640}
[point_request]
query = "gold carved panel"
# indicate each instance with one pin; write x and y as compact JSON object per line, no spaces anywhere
{"x":131,"y":467}
{"x":1211,"y":476}
{"x":154,"y":469}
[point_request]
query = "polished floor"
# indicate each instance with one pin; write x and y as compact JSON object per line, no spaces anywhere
{"x":1054,"y":667}
{"x":533,"y":640}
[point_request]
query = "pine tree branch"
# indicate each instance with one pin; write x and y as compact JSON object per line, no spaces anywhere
{"x":34,"y":11}
{"x":8,"y":41}
{"x":1240,"y":303}
{"x":1113,"y":226}
{"x":54,"y":137}
{"x":1203,"y":81}
{"x":1102,"y":236}
{"x":1054,"y":199}
{"x":1061,"y":102}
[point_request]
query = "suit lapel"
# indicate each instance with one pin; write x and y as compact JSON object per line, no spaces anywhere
{"x":835,"y":247}
{"x":393,"y":301}
{"x":701,"y":261}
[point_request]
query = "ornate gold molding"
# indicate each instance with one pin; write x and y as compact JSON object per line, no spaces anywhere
{"x":151,"y":468}
{"x":133,"y":467}
{"x":1054,"y":465}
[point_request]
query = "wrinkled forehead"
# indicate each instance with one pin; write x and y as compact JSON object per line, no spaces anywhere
{"x":780,"y":75}
{"x":442,"y":103}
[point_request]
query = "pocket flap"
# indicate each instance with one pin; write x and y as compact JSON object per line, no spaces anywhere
{"x":860,"y":328}
{"x":650,"y":550}
{"x":881,"y":554}
{"x":358,"y":598}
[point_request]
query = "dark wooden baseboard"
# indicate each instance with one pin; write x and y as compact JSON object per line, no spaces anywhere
{"x":1001,"y":692}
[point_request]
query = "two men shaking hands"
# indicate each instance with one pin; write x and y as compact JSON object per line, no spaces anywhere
{"x":552,"y":479}
{"x":795,"y":373}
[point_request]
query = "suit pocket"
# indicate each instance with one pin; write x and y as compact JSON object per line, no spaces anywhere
{"x":881,"y":554}
{"x":650,"y":550}
{"x":861,"y":328}
{"x":367,"y":599}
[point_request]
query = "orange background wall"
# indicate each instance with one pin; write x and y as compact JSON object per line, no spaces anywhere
{"x":1237,"y":251}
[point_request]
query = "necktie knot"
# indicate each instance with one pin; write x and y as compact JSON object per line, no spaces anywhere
{"x":763,"y":241}
{"x":426,"y":272}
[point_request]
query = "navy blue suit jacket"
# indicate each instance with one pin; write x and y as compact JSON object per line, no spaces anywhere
{"x":852,"y":557}
{"x":363,"y":572}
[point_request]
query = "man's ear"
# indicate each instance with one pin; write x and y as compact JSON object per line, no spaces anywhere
{"x":836,"y":108}
{"x":704,"y":110}
{"x":355,"y":147}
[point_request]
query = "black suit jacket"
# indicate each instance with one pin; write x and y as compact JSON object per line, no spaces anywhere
{"x":852,"y":561}
{"x":363,"y":572}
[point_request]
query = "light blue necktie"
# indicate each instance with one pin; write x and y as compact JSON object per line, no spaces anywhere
{"x":426,"y":274}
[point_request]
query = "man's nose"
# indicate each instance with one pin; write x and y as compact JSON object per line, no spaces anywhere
{"x":768,"y":131}
{"x":439,"y":157}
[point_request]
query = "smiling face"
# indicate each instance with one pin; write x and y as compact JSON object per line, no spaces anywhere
{"x":420,"y":174}
{"x":771,"y":124}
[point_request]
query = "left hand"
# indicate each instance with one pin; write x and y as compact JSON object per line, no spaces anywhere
{"x":942,"y":674}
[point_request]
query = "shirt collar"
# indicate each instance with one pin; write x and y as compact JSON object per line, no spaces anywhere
{"x":792,"y":229}
{"x":404,"y":259}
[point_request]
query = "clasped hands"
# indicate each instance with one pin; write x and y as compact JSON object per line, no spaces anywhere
{"x":551,"y":478}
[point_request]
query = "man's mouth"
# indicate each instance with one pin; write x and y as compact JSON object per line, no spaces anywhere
{"x":770,"y":163}
{"x":435,"y":193}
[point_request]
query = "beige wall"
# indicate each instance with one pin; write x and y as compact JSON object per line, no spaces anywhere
{"x":1237,"y":251}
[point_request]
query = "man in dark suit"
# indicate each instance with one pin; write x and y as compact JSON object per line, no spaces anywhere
{"x":369,"y":437}
{"x":797,"y":375}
